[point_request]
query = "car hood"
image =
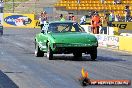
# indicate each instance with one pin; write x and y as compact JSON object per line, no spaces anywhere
{"x":73,"y":37}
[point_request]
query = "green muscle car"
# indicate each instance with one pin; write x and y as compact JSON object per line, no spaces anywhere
{"x":67,"y":37}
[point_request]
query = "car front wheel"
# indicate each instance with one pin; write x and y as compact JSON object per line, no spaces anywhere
{"x":38,"y":52}
{"x":49,"y":53}
{"x":93,"y":54}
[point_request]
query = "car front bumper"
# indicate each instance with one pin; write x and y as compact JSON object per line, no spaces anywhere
{"x":70,"y":48}
{"x":75,"y":45}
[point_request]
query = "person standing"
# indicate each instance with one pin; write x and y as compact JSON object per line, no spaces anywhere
{"x":62,"y":18}
{"x":73,"y":18}
{"x":111,"y":18}
{"x":95,"y":22}
{"x":127,"y":13}
{"x":43,"y":18}
{"x":70,"y":16}
{"x":119,"y":2}
{"x":117,"y":18}
{"x":82,"y":20}
{"x":102,"y":1}
{"x":41,"y":21}
{"x":104,"y":24}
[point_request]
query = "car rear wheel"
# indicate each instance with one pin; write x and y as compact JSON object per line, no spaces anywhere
{"x":49,"y":53}
{"x":93,"y":54}
{"x":38,"y":52}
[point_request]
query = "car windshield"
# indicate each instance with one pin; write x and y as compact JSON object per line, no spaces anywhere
{"x":65,"y":27}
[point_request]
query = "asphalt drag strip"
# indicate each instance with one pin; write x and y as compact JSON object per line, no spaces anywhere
{"x":18,"y":62}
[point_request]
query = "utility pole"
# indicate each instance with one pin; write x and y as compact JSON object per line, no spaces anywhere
{"x":12,"y":6}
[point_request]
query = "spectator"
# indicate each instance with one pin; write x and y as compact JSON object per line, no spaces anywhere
{"x":112,"y":15}
{"x":111,"y":18}
{"x":62,"y":18}
{"x":104,"y":24}
{"x":45,"y":16}
{"x":83,"y":20}
{"x":41,"y":19}
{"x":114,"y":2}
{"x":117,"y":17}
{"x":127,"y":13}
{"x":73,"y":18}
{"x":95,"y":22}
{"x":117,"y":2}
{"x":70,"y":16}
{"x":102,"y":1}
